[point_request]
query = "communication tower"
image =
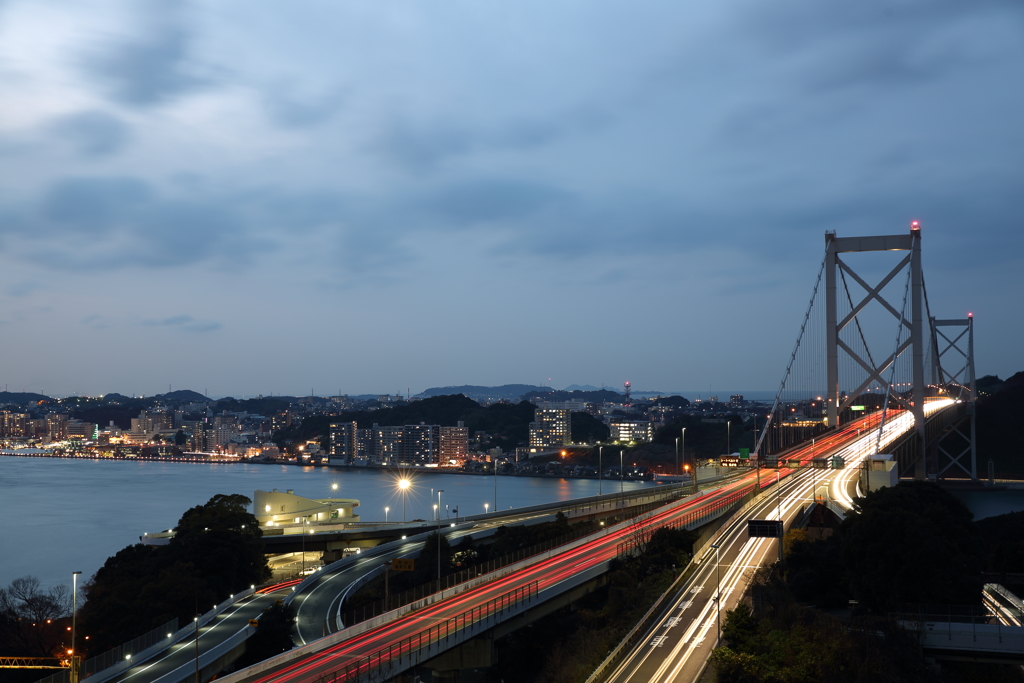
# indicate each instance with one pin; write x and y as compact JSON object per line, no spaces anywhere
{"x":628,"y":388}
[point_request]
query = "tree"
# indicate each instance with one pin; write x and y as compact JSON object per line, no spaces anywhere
{"x":217,"y":550}
{"x":912,"y":543}
{"x":28,"y":616}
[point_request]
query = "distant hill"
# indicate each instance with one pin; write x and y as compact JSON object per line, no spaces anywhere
{"x":509,"y":392}
{"x":582,"y":387}
{"x":599,"y":396}
{"x":21,"y":398}
{"x":182,"y":396}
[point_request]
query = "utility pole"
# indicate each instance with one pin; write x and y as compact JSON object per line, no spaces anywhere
{"x":439,"y":492}
{"x":74,"y":619}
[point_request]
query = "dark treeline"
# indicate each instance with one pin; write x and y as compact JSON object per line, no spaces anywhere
{"x":217,"y":551}
{"x":903,"y":547}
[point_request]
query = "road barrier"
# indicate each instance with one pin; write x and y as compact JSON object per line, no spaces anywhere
{"x":375,"y":608}
{"x":736,"y":508}
{"x":143,"y":648}
{"x":409,"y":652}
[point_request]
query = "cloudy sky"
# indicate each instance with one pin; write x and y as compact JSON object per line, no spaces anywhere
{"x":252,"y":197}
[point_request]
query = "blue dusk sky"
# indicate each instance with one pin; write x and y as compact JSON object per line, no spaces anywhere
{"x":254,"y":197}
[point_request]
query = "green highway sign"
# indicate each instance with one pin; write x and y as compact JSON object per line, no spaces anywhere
{"x":744,"y":454}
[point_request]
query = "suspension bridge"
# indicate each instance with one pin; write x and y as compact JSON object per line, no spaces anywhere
{"x":867,"y":348}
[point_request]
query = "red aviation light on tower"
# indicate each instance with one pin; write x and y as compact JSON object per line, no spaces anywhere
{"x":915,"y":226}
{"x":970,"y":315}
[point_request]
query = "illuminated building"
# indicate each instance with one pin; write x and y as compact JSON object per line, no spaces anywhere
{"x":344,"y":448}
{"x":628,"y":431}
{"x":551,"y":427}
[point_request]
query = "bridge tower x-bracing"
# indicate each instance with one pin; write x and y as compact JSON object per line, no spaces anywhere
{"x":935,"y":456}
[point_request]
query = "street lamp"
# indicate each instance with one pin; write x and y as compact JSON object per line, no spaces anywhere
{"x":386,"y":511}
{"x":486,"y":505}
{"x":778,"y":495}
{"x":600,"y":475}
{"x":682,"y":444}
{"x":718,"y":597}
{"x":438,"y":507}
{"x":677,"y":455}
{"x":303,"y":545}
{"x":403,"y":485}
{"x":728,"y":437}
{"x":622,"y":495}
{"x":74,"y":619}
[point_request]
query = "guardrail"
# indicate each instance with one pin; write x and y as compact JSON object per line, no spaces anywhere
{"x":370,"y":624}
{"x":1000,"y":590}
{"x":128,"y":655}
{"x":446,"y":582}
{"x":399,"y":656}
{"x":736,"y":509}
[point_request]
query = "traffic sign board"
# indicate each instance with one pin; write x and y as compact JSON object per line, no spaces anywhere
{"x":764,"y":528}
{"x":403,"y":564}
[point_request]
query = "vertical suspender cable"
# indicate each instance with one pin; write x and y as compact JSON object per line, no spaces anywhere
{"x":792,"y":358}
{"x":892,"y":372}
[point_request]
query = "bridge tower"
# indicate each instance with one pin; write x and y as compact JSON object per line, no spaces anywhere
{"x":915,"y":340}
{"x":951,"y":446}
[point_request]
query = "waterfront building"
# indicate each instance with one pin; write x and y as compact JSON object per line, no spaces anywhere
{"x":57,"y":426}
{"x":551,"y":427}
{"x":454,"y":443}
{"x":421,"y":444}
{"x":344,"y":448}
{"x":275,"y":508}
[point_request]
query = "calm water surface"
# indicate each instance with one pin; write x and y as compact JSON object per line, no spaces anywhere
{"x":60,"y":516}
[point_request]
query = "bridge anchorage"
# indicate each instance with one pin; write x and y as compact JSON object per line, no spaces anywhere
{"x":837,"y":373}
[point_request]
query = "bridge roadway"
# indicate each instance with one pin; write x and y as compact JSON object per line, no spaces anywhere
{"x":678,"y":644}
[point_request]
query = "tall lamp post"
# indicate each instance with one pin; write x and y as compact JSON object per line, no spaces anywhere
{"x":439,"y":492}
{"x":74,"y":619}
{"x":778,"y":495}
{"x":718,"y":596}
{"x":403,"y":485}
{"x":622,"y":495}
{"x":494,"y":465}
{"x":600,"y":475}
{"x":682,"y":445}
{"x":677,"y":456}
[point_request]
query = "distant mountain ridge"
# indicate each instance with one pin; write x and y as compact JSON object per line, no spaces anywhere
{"x":584,"y":387}
{"x":21,"y":398}
{"x":506,"y":391}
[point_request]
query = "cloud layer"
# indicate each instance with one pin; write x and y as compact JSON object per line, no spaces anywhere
{"x":334,"y":168}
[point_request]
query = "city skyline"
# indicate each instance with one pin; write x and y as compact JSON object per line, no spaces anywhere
{"x":242,"y":200}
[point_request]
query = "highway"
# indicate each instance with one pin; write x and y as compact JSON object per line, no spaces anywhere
{"x":677,"y":647}
{"x":398,"y":637}
{"x":318,"y":604}
{"x":686,"y":630}
{"x":539,"y":576}
{"x":181,"y":656}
